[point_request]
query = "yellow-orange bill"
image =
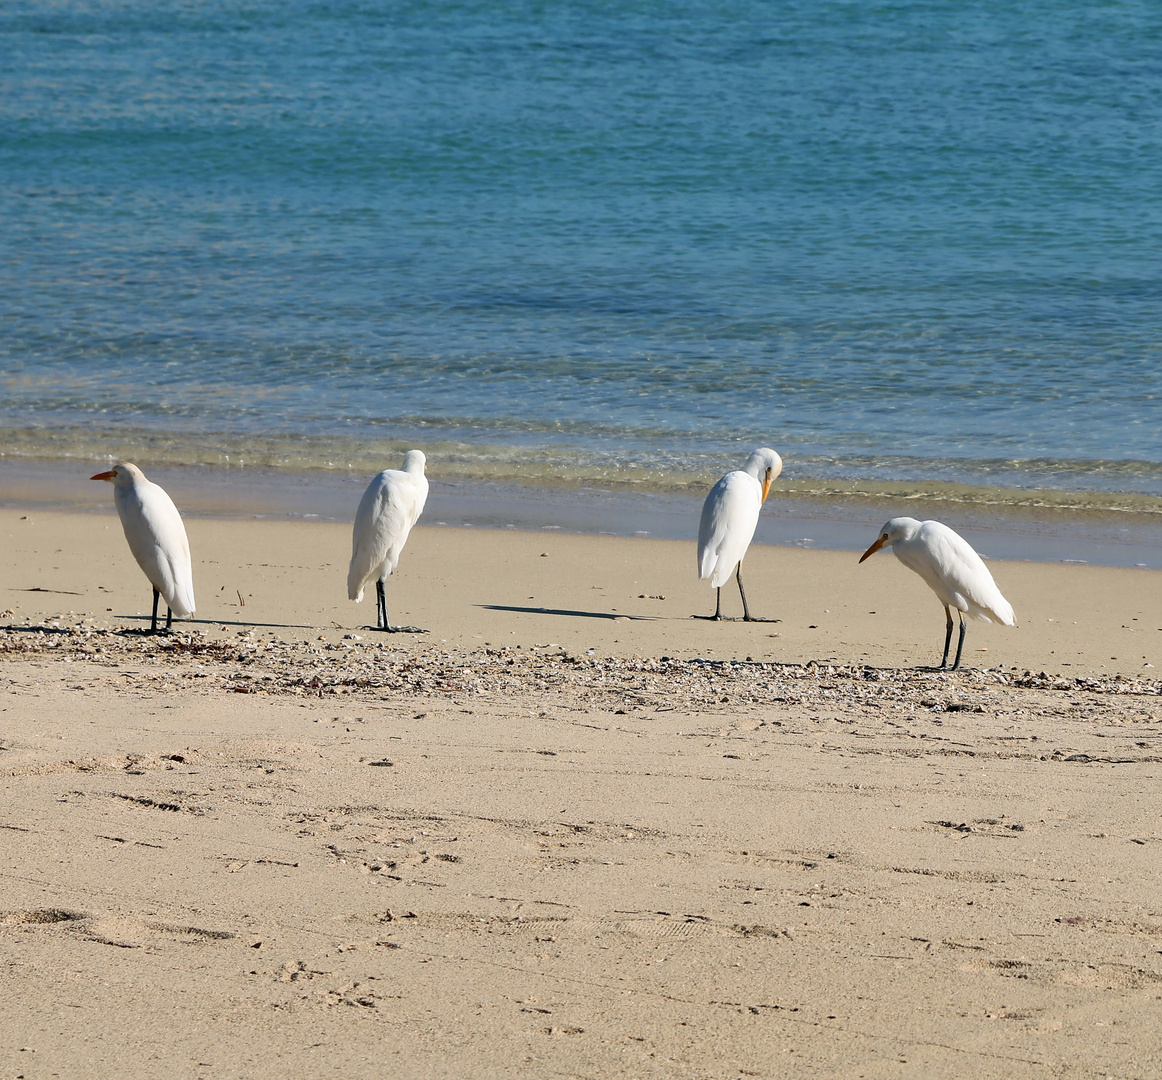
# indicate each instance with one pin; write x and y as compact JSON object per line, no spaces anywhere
{"x":874,"y":548}
{"x":103,"y":476}
{"x":766,"y":485}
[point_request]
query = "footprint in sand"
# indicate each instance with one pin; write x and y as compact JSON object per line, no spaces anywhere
{"x":40,"y":917}
{"x":124,"y":931}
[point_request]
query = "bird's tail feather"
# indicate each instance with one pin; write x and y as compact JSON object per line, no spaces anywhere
{"x":356,"y":580}
{"x":180,"y":597}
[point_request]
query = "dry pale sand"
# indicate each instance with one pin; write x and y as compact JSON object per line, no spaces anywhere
{"x":276,"y":845}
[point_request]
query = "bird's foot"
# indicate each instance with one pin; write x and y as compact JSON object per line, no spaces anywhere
{"x":398,"y":629}
{"x":733,"y":618}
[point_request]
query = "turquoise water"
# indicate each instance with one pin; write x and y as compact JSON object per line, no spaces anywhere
{"x":899,"y":242}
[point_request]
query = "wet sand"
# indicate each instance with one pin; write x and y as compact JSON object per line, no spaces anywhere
{"x":998,"y":529}
{"x":571,"y":831}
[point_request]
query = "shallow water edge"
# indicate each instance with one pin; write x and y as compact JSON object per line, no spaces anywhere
{"x":837,"y":521}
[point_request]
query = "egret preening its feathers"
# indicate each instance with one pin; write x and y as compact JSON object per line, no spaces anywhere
{"x":730,"y":516}
{"x":156,"y":537}
{"x":390,"y":506}
{"x":953,"y":571}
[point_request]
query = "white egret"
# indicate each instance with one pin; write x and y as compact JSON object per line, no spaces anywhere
{"x":156,"y":537}
{"x":390,"y":506}
{"x":730,"y":516}
{"x":953,"y":571}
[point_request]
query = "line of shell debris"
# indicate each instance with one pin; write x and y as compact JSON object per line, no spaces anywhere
{"x":253,"y":663}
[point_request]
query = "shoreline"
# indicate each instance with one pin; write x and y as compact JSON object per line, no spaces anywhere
{"x":831,"y":522}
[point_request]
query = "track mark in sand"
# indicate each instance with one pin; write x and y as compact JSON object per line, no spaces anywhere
{"x":353,"y":993}
{"x":135,"y":843}
{"x":128,"y":932}
{"x":132,"y":764}
{"x":1112,"y":926}
{"x":974,"y":877}
{"x":742,"y":886}
{"x":522,"y":900}
{"x":125,"y":932}
{"x":598,"y":830}
{"x":997,"y":827}
{"x":118,"y":763}
{"x":240,"y":862}
{"x":543,"y":928}
{"x":788,"y":860}
{"x":642,"y":925}
{"x":154,"y":804}
{"x":1099,"y":975}
{"x":297,"y":971}
{"x":394,"y":838}
{"x":40,"y":917}
{"x":362,"y":816}
{"x":1105,"y":975}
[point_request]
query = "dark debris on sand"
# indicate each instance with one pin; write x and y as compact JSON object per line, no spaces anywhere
{"x":263,"y":663}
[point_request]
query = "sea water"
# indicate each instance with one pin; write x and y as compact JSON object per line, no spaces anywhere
{"x":913,"y":247}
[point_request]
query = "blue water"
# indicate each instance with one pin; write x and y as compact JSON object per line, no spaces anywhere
{"x":892,"y":240}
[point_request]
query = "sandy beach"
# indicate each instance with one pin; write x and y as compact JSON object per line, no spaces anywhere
{"x":571,"y":831}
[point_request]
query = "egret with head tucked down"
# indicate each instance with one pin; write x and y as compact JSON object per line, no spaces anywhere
{"x":730,"y":516}
{"x":390,"y":506}
{"x":952,"y":569}
{"x":157,"y":538}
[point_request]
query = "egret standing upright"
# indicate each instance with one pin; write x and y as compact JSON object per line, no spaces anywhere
{"x":390,"y":506}
{"x":953,"y":571}
{"x":730,"y":516}
{"x":156,"y":537}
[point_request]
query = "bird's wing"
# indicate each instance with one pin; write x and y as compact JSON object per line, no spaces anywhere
{"x":157,"y":537}
{"x":965,"y":581}
{"x":391,"y":505}
{"x":730,"y":515}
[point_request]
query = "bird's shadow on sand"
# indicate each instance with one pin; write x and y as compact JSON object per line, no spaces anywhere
{"x":183,"y":624}
{"x":144,"y":631}
{"x":610,"y":616}
{"x":57,"y":592}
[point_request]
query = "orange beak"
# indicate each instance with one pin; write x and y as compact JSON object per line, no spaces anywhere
{"x":874,"y":548}
{"x":766,"y":487}
{"x":103,"y":476}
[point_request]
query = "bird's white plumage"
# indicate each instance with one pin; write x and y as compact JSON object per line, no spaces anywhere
{"x":390,"y":506}
{"x":156,"y":535}
{"x":730,"y":515}
{"x":950,"y":566}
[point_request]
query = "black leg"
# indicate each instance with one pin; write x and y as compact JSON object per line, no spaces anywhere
{"x":168,"y":619}
{"x":741,"y":592}
{"x":718,"y":603}
{"x":960,"y":643}
{"x":746,"y":615}
{"x":153,"y":621}
{"x":947,"y":635}
{"x":381,"y":622}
